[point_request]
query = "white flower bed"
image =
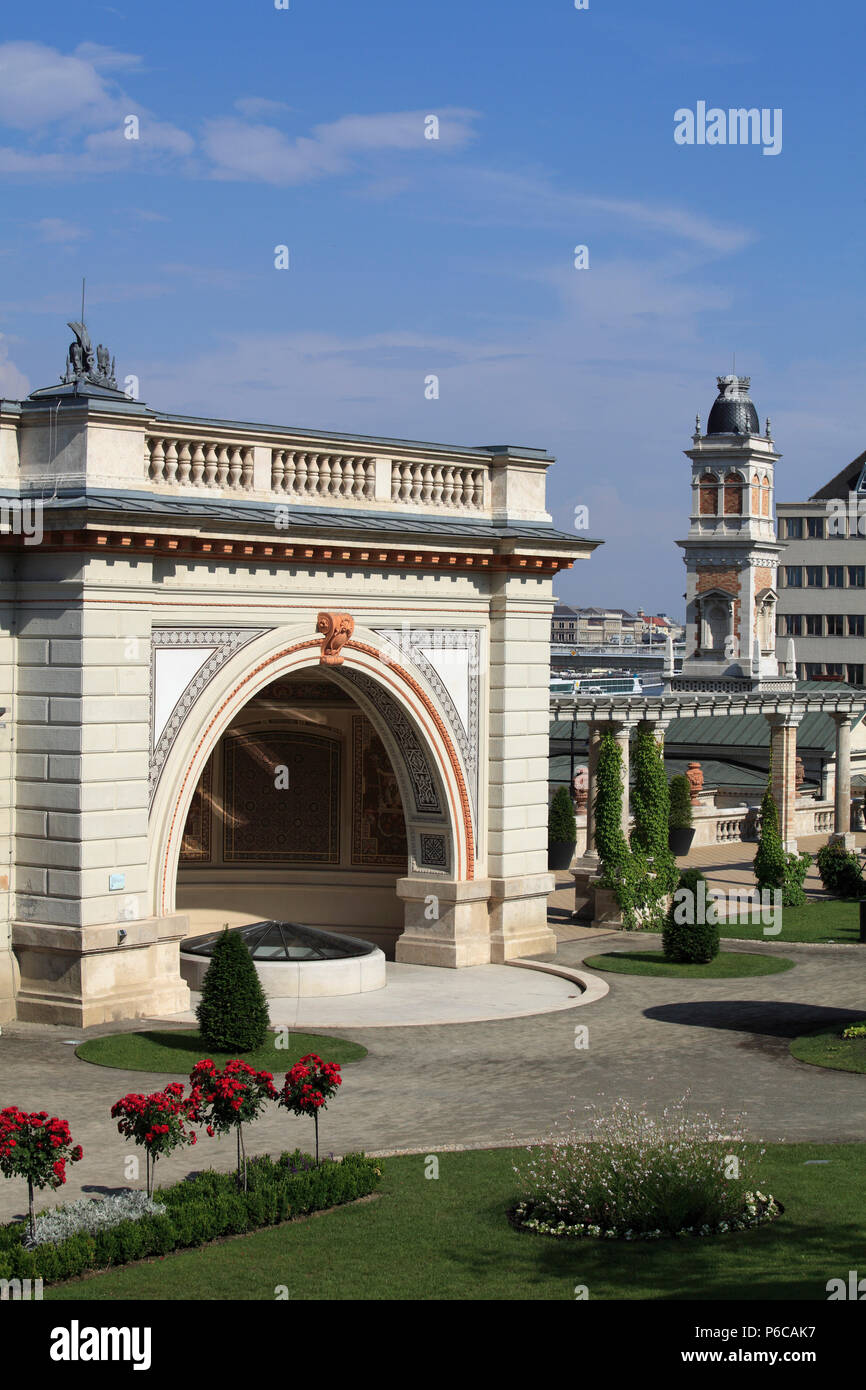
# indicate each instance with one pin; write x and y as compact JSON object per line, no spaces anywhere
{"x":759,"y":1207}
{"x":90,"y":1215}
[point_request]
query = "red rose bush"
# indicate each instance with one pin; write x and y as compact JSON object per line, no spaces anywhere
{"x":158,"y":1122}
{"x":308,"y":1087}
{"x":35,"y":1148}
{"x":226,"y":1100}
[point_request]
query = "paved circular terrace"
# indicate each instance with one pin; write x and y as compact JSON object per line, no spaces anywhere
{"x":419,"y":995}
{"x":430,"y":1087}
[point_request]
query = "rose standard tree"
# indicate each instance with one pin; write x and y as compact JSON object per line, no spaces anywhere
{"x":226,"y":1100}
{"x":156,"y":1121}
{"x":308,"y":1087}
{"x":35,"y":1148}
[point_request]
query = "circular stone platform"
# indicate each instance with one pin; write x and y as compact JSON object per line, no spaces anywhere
{"x":425,"y":994}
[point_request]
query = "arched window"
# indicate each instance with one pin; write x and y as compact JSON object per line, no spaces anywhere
{"x":756,"y":495}
{"x":765,"y":498}
{"x":733,"y":494}
{"x":709,"y":495}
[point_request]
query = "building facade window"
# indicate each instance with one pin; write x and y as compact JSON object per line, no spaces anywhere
{"x":855,"y":624}
{"x":835,"y":576}
{"x":815,"y":528}
{"x":835,"y":625}
{"x":709,"y":495}
{"x":856,"y":576}
{"x":855,"y":675}
{"x":793,"y":625}
{"x":733,"y":494}
{"x":794,"y":576}
{"x":815,"y":576}
{"x":795,"y":528}
{"x":814,"y":625}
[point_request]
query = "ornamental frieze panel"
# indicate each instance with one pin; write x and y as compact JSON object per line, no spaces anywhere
{"x":183,"y":662}
{"x":450,"y":661}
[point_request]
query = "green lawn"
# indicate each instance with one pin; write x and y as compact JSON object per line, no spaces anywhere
{"x":829,"y":1049}
{"x":448,"y":1238}
{"x":728,"y":965}
{"x":178,"y":1051}
{"x":817,"y":921}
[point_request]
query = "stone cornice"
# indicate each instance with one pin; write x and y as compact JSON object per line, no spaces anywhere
{"x":632,"y":710}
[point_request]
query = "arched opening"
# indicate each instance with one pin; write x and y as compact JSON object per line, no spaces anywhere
{"x":733,"y":494}
{"x":369,"y":728}
{"x":297,"y":816}
{"x":709,"y":495}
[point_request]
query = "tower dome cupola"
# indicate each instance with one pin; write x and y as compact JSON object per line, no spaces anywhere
{"x":732,"y":411}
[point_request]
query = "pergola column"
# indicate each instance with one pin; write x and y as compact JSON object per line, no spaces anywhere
{"x":783,"y":751}
{"x":842,"y":818}
{"x":590,"y":857}
{"x":622,"y":734}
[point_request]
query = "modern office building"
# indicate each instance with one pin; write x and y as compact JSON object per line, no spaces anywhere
{"x":822,"y":578}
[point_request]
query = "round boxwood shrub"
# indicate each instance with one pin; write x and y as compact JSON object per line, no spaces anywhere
{"x":232,"y":1012}
{"x":689,"y":942}
{"x":840,"y":871}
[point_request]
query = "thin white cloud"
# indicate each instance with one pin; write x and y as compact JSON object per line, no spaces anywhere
{"x":14,"y":385}
{"x":243,"y":151}
{"x":40,"y":86}
{"x":57,"y":229}
{"x":260,"y":106}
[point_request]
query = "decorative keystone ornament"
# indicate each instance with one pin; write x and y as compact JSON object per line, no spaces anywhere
{"x":338,"y":629}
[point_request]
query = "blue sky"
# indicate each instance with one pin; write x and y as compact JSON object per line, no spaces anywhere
{"x":305,"y":127}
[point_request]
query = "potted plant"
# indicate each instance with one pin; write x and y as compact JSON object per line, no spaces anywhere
{"x":561,"y":831}
{"x":680,"y":829}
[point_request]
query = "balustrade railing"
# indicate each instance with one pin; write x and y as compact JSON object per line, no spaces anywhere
{"x":438,"y":485}
{"x":318,"y":476}
{"x":199,"y":463}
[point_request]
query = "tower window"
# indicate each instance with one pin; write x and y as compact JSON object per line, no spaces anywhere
{"x":709,"y":495}
{"x":733,"y":495}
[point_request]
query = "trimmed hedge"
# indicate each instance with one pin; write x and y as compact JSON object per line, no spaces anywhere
{"x":200,"y":1209}
{"x":840,"y":871}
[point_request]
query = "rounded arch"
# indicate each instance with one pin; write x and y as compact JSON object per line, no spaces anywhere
{"x":365,"y":659}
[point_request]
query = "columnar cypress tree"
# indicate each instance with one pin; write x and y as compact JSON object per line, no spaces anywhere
{"x":770,"y":859}
{"x":609,"y":839}
{"x":650,"y":798}
{"x":561,"y":824}
{"x":232,"y":1012}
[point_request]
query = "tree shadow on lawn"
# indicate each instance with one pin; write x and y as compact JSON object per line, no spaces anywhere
{"x":768,"y":1017}
{"x":751,"y":1265}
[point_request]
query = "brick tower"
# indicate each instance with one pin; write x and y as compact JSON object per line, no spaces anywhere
{"x":731,"y":552}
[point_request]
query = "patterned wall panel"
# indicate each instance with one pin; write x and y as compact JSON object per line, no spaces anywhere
{"x":296,"y":824}
{"x":195,"y":847}
{"x":378,"y":822}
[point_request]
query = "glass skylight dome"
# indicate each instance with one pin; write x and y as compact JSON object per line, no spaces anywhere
{"x":284,"y":941}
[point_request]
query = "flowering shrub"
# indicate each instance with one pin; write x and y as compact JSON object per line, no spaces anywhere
{"x":226,"y":1100}
{"x":90,"y":1216}
{"x":37,"y":1148}
{"x":857,"y":1030}
{"x":641,"y":1177}
{"x":308,"y":1087}
{"x":155,"y":1121}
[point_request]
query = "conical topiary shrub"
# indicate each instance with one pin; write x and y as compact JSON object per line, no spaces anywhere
{"x":561,"y":830}
{"x":232,"y":1012}
{"x":770,"y":859}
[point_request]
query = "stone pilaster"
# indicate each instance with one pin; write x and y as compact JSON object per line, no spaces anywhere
{"x":783,"y":744}
{"x":446,"y":923}
{"x":842,"y":817}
